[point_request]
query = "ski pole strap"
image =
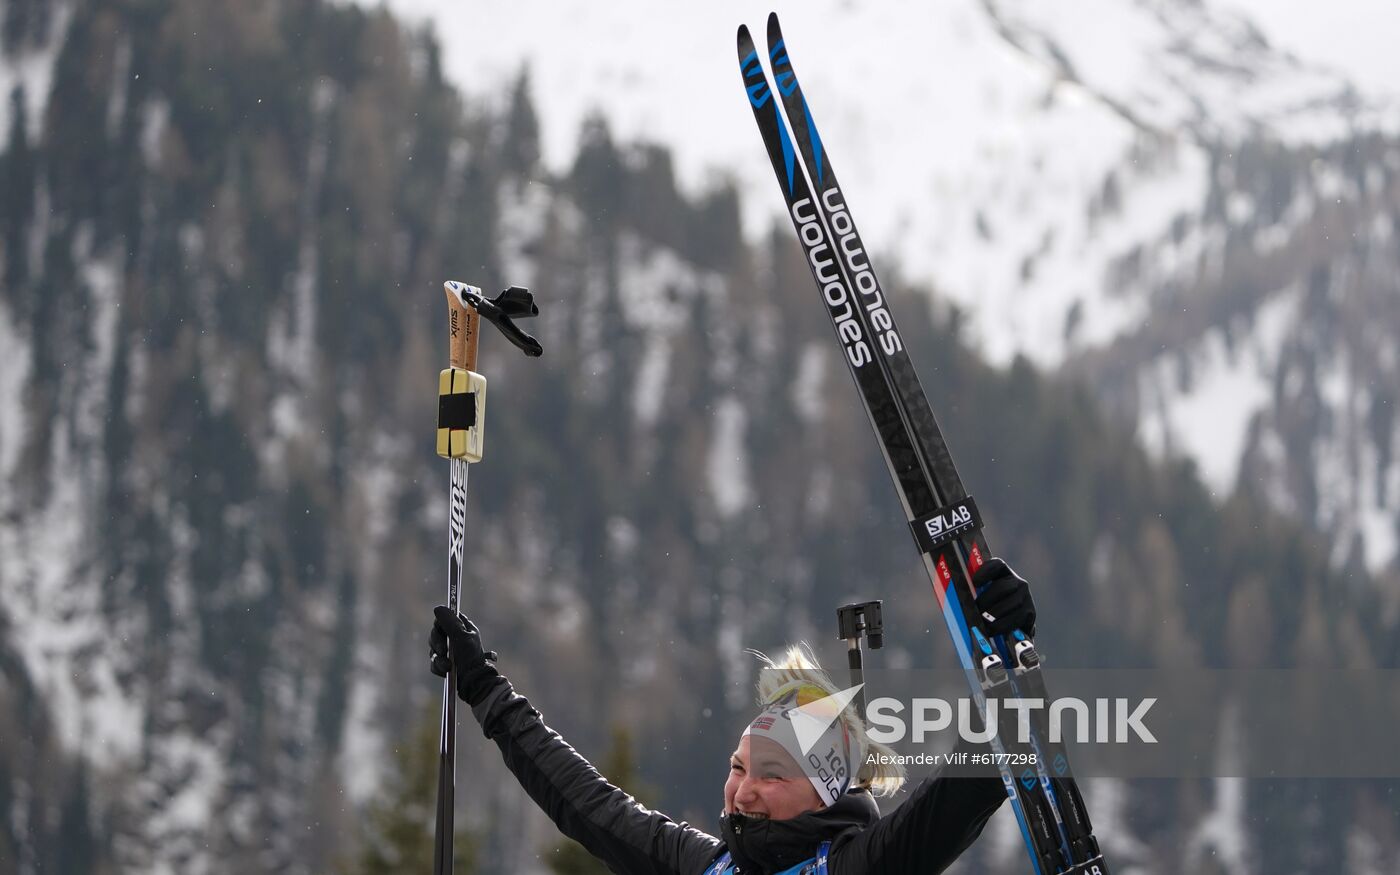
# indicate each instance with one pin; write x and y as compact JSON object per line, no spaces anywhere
{"x":935,"y":530}
{"x":511,"y":304}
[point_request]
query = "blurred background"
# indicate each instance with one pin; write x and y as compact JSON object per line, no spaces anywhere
{"x":1143,"y":252}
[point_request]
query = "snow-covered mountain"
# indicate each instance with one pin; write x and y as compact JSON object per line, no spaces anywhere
{"x":1007,"y":152}
{"x":1072,"y":176}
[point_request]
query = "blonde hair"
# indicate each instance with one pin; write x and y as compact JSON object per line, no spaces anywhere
{"x":884,"y":776}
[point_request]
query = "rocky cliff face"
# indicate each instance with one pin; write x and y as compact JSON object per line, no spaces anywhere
{"x":1263,"y":354}
{"x":1263,"y":345}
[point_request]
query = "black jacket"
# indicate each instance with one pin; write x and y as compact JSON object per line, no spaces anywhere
{"x":941,"y":817}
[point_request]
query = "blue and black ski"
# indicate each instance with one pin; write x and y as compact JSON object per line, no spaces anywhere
{"x":1019,"y":653}
{"x":943,"y":518}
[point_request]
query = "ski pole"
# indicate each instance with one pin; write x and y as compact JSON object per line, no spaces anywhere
{"x":855,"y":620}
{"x":460,"y":433}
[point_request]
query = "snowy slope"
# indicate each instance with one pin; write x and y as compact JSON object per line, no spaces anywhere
{"x":1054,"y":169}
{"x":928,"y":110}
{"x":1185,"y":67}
{"x":973,"y":164}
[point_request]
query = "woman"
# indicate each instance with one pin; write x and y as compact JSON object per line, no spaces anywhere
{"x":779,"y":817}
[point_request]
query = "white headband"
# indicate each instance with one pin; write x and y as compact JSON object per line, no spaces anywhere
{"x":803,"y":719}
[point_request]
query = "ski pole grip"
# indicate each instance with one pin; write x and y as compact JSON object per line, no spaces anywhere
{"x":464,"y":332}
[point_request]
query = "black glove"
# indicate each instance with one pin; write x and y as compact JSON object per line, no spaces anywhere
{"x":1003,"y":599}
{"x":455,"y":642}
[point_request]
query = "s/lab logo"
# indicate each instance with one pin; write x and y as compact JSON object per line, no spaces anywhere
{"x":935,"y":529}
{"x":956,"y":518}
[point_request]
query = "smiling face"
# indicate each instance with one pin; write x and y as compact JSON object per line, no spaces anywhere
{"x":765,"y":782}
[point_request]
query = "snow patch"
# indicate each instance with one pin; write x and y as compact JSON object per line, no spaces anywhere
{"x":1109,"y":800}
{"x":1365,"y":855}
{"x":807,"y":395}
{"x":655,"y":290}
{"x":521,"y":221}
{"x":291,"y":342}
{"x":649,"y":390}
{"x":656,"y":286}
{"x":362,"y":749}
{"x":1353,"y":487}
{"x":190,"y":783}
{"x":155,"y":118}
{"x":1207,"y":419}
{"x":1206,"y":415}
{"x":1274,"y":455}
{"x":1222,"y":833}
{"x":378,"y":482}
{"x":1375,"y":522}
{"x":102,"y":277}
{"x":623,"y":538}
{"x":48,"y":580}
{"x":31,"y":69}
{"x":121,"y":78}
{"x":52,"y":598}
{"x":728,"y":461}
{"x":14,"y":377}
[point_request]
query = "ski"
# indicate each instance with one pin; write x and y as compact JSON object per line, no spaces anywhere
{"x":1026,"y":677}
{"x":1033,"y":813}
{"x":944,"y":519}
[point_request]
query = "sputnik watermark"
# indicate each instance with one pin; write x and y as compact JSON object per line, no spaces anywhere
{"x":1134,"y":723}
{"x":1113,"y":721}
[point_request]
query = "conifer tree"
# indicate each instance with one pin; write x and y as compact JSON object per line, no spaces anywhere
{"x":17,"y":173}
{"x":522,"y":147}
{"x":398,"y":835}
